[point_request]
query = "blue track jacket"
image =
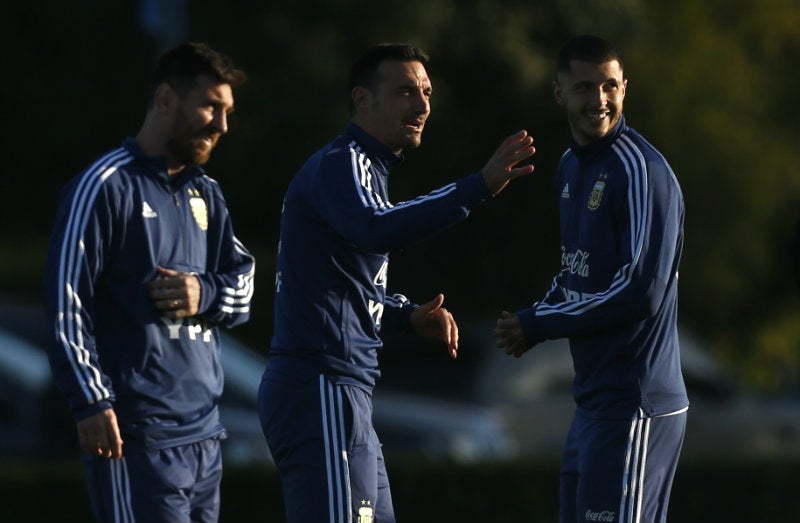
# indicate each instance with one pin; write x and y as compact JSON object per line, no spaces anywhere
{"x":616,"y":295}
{"x":116,"y":222}
{"x":337,"y":228}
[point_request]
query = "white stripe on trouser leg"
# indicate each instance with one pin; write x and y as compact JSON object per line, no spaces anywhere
{"x":339,"y":506}
{"x":345,"y":465}
{"x":121,"y":493}
{"x":627,"y":471}
{"x":333,"y":451}
{"x":633,"y":479}
{"x":324,"y":410}
{"x":642,"y":468}
{"x":630,"y":508}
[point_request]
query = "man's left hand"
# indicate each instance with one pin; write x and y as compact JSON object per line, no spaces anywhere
{"x":434,"y":321}
{"x":510,"y":336}
{"x":175,"y":294}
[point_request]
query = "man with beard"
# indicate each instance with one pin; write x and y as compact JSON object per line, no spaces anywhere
{"x":143,"y":266}
{"x":338,"y":227}
{"x":615,"y":299}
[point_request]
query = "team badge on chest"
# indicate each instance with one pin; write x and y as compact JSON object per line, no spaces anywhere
{"x":597,"y":193}
{"x":199,"y":209}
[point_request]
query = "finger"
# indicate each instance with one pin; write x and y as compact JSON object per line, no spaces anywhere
{"x":511,"y":345}
{"x":90,"y":442}
{"x":521,"y":146}
{"x":433,"y":305}
{"x":166,"y":284}
{"x":170,"y":304}
{"x":164,"y":272}
{"x":91,"y":447}
{"x":442,"y":321}
{"x":161,"y":290}
{"x":512,"y":171}
{"x":453,"y":343}
{"x":115,"y":447}
{"x":503,"y":325}
{"x":436,"y":302}
{"x":521,"y":154}
{"x":506,"y":321}
{"x":100,"y":447}
{"x":518,"y":150}
{"x":520,"y":136}
{"x":511,"y":143}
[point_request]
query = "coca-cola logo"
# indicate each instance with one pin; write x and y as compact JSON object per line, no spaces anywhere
{"x":576,"y":262}
{"x":603,"y":515}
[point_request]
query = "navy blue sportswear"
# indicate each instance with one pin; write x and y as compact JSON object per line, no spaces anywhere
{"x":616,"y":295}
{"x":117,"y":221}
{"x":620,"y":470}
{"x":337,"y":229}
{"x":616,"y":299}
{"x":331,"y":303}
{"x":173,"y":485}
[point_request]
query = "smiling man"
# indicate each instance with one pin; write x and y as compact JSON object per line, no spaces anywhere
{"x":331,"y":302}
{"x":615,"y":298}
{"x":143,"y":269}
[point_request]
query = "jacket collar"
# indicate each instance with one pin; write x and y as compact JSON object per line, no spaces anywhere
{"x":373,"y":148}
{"x":157,"y":166}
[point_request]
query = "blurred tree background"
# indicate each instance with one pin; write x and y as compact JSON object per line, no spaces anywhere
{"x":711,"y":84}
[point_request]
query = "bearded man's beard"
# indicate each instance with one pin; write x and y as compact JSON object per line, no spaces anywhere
{"x":188,"y":147}
{"x":190,"y":151}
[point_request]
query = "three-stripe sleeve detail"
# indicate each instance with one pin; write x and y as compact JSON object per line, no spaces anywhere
{"x":236,"y":300}
{"x":71,"y":260}
{"x":371,"y":197}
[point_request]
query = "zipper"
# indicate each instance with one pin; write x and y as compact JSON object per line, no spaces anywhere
{"x":574,"y":214}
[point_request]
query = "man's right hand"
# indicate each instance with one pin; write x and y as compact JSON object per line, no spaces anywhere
{"x":98,"y":435}
{"x":501,"y":166}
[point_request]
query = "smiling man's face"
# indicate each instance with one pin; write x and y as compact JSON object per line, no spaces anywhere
{"x":593,"y":95}
{"x":395,"y":113}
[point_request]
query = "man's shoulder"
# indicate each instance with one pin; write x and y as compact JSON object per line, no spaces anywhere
{"x":341,"y":151}
{"x":109,"y":169}
{"x":637,"y":142}
{"x":343,"y":144}
{"x":640,"y":155}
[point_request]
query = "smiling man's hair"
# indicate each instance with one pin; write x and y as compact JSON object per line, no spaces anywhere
{"x":587,"y":48}
{"x":180,"y":68}
{"x":364,"y":72}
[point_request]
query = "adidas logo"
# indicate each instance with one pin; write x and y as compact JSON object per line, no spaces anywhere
{"x":565,"y":191}
{"x":147,"y":211}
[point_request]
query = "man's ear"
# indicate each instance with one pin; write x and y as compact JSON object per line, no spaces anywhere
{"x":558,"y":93}
{"x":362,"y":98}
{"x":163,"y":97}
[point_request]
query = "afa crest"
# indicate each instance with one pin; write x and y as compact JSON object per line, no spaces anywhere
{"x":365,"y":512}
{"x":597,"y":193}
{"x":199,"y":209}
